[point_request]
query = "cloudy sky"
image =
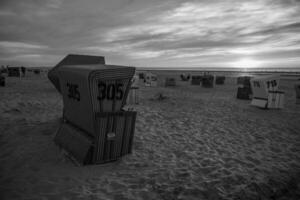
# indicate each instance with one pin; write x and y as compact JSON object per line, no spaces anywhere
{"x":152,"y":33}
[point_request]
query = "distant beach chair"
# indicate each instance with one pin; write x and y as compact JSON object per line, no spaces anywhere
{"x":23,"y":69}
{"x":14,"y":71}
{"x":265,"y":92}
{"x":2,"y":80}
{"x":244,"y":90}
{"x":196,"y":80}
{"x":151,"y":79}
{"x":220,"y":80}
{"x":170,"y":82}
{"x":141,"y":76}
{"x":36,"y":71}
{"x":208,"y":81}
{"x":297,"y":89}
{"x":244,"y":80}
{"x":96,"y":129}
{"x":133,"y":96}
{"x":185,"y":77}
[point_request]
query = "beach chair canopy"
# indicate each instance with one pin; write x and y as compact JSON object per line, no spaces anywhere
{"x":89,"y":89}
{"x":72,"y":59}
{"x":263,"y":84}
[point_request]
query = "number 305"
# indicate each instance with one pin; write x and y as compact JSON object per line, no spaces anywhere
{"x":110,"y":91}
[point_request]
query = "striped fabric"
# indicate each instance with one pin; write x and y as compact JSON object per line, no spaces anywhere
{"x":115,"y":131}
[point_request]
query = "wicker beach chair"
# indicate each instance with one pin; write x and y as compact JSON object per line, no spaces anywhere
{"x":95,"y":125}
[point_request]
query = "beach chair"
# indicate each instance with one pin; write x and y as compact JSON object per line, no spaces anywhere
{"x":220,"y":80}
{"x":37,"y":71}
{"x":184,"y":77}
{"x":208,"y":81}
{"x":2,"y":81}
{"x":244,"y":89}
{"x":133,"y":96}
{"x":265,"y":92}
{"x":14,"y":71}
{"x":196,"y":80}
{"x":170,"y":82}
{"x":297,"y":89}
{"x":244,"y":93}
{"x":151,"y":80}
{"x":96,"y":129}
{"x":141,"y":76}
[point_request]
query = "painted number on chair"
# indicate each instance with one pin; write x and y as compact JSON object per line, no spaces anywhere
{"x":110,"y":91}
{"x":272,"y":83}
{"x":73,"y":92}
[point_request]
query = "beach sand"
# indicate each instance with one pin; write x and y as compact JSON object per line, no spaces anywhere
{"x":198,"y":143}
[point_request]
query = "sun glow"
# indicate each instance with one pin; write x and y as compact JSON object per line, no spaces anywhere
{"x":246,"y":63}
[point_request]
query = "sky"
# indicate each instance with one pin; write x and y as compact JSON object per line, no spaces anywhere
{"x":152,"y":33}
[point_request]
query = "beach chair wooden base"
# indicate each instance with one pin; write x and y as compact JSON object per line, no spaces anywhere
{"x":259,"y":102}
{"x":74,"y":141}
{"x":275,"y":99}
{"x":115,"y":131}
{"x":113,"y":138}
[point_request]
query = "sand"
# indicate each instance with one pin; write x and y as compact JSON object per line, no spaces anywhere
{"x":198,"y":143}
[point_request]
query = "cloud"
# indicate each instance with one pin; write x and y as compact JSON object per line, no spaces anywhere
{"x":135,"y":32}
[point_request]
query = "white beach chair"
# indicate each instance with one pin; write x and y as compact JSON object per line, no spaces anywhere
{"x":265,"y":92}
